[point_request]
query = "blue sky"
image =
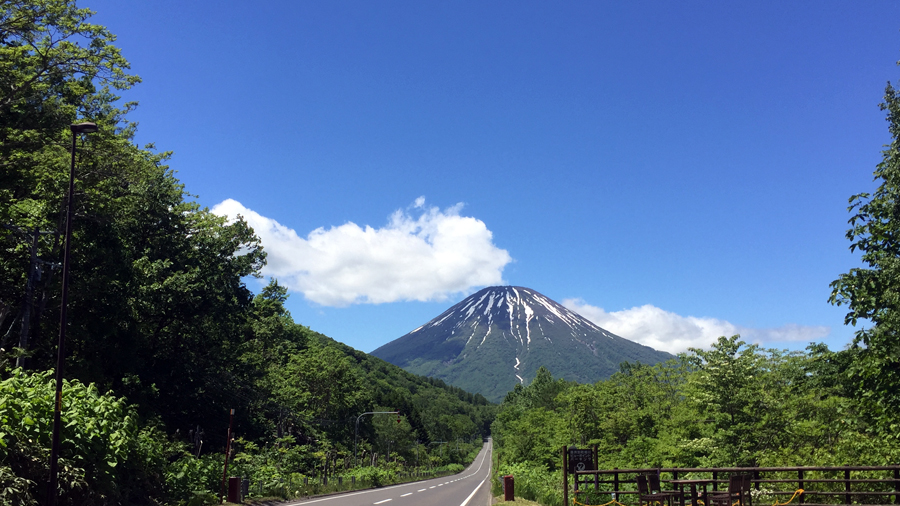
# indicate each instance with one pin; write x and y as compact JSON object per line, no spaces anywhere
{"x":674,"y":171}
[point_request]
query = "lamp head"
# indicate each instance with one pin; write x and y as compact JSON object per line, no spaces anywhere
{"x":83,"y":128}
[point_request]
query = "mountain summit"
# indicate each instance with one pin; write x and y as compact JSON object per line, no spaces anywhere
{"x":502,"y":335}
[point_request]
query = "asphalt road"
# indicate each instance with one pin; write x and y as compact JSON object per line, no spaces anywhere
{"x":471,"y":487}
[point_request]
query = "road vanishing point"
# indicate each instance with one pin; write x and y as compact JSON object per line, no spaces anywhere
{"x":471,"y":487}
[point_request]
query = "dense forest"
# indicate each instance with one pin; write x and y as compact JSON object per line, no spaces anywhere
{"x":164,"y":338}
{"x":733,"y":405}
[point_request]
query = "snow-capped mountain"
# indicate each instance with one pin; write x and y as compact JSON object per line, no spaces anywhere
{"x":501,"y":335}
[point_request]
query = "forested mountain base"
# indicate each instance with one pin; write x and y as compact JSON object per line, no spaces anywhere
{"x":159,"y":315}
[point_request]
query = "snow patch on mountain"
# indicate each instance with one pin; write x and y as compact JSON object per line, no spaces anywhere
{"x":494,"y":326}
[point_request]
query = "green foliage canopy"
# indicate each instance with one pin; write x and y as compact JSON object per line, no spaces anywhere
{"x":873,"y":293}
{"x":731,"y":405}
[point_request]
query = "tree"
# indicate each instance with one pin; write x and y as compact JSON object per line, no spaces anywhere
{"x":42,"y":42}
{"x":725,"y":375}
{"x":726,"y":387}
{"x":157,"y":298}
{"x":54,"y":68}
{"x":873,"y":292}
{"x":539,"y":434}
{"x":320,"y":387}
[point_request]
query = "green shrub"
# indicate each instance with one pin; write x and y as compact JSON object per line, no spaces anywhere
{"x":450,"y":469}
{"x":534,"y":482}
{"x":105,"y":456}
{"x":189,"y":479}
{"x":376,"y":476}
{"x":592,"y":497}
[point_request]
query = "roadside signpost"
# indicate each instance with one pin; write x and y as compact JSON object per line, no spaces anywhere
{"x":575,"y":459}
{"x":581,"y":460}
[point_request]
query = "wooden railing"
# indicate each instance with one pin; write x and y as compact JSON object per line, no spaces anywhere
{"x":822,"y":486}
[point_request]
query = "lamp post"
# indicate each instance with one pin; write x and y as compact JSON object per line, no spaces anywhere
{"x":417,"y":454}
{"x":356,"y":432}
{"x":80,"y":128}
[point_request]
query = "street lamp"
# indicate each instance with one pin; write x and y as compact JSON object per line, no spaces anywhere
{"x":417,"y":454}
{"x":80,"y":128}
{"x":356,"y":432}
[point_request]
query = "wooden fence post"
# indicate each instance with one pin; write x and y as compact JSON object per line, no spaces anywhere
{"x":565,"y":468}
{"x":596,"y":466}
{"x":616,"y":483}
{"x":800,"y":485}
{"x":896,"y":485}
{"x":715,"y":481}
{"x":847,"y":486}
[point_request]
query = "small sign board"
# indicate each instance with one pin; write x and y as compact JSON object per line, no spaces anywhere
{"x":580,"y":460}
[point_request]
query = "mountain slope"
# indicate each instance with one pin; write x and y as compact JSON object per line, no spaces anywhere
{"x":501,"y":335}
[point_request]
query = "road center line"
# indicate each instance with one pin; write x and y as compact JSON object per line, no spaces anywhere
{"x":404,"y":495}
{"x":382,"y":502}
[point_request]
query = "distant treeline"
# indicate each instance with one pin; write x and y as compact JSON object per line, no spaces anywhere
{"x":733,"y":405}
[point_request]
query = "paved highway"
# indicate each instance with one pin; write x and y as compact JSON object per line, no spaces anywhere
{"x":471,"y":487}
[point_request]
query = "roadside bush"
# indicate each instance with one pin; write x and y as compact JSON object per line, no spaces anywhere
{"x":533,"y":482}
{"x":191,"y":480}
{"x":377,"y":476}
{"x":105,"y":457}
{"x":449,"y":469}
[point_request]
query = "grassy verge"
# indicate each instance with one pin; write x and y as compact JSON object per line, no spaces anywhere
{"x":498,"y":500}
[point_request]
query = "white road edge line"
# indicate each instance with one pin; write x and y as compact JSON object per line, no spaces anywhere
{"x":473,"y":493}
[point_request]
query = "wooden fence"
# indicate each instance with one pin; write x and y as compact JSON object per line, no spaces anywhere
{"x":822,"y":486}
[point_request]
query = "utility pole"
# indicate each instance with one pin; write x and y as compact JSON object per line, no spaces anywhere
{"x":33,"y":276}
{"x":227,"y":453}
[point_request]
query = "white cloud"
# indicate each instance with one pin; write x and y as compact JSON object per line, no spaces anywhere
{"x":425,"y":257}
{"x":663,"y":330}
